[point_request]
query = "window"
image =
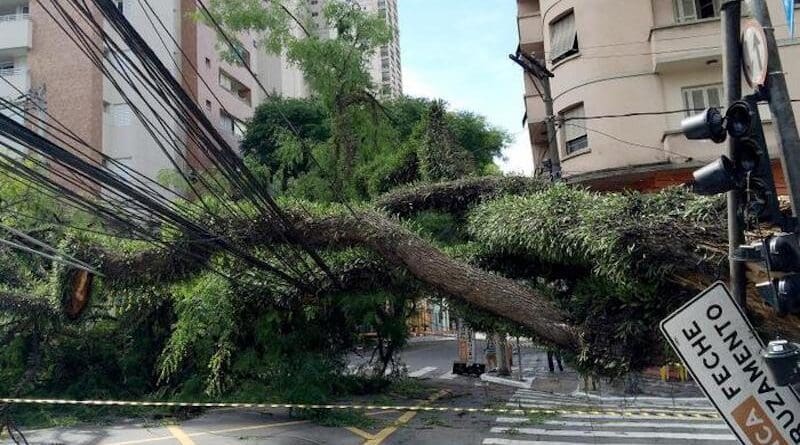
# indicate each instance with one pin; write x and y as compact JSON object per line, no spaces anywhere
{"x":575,"y":138}
{"x":227,"y":82}
{"x":226,"y":121}
{"x":231,"y":125}
{"x":239,"y":54}
{"x":691,"y":10}
{"x":121,"y":115}
{"x":124,"y":6}
{"x":563,"y":37}
{"x":702,"y":97}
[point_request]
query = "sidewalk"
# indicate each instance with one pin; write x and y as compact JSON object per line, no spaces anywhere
{"x":534,"y":364}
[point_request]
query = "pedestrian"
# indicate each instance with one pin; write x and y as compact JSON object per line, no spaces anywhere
{"x":491,"y":354}
{"x":554,"y":354}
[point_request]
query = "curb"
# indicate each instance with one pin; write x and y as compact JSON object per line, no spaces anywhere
{"x":527,"y":383}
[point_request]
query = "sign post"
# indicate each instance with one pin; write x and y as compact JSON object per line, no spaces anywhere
{"x":723,"y":353}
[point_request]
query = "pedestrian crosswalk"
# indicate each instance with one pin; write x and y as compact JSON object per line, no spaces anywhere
{"x":526,"y":398}
{"x":430,"y":372}
{"x":582,"y":427}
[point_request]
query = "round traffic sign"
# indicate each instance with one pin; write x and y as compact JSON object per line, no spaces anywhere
{"x":754,"y":53}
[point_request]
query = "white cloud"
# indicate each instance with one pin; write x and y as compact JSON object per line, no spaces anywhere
{"x":518,"y":158}
{"x":416,"y":86}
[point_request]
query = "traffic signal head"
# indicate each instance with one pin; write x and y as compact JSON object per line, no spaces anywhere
{"x":716,"y":177}
{"x":781,"y":359}
{"x":707,"y":125}
{"x":711,"y":124}
{"x":738,"y":119}
{"x":783,"y":252}
{"x":783,"y":294}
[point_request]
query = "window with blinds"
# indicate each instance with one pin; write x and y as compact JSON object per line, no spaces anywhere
{"x":698,"y":98}
{"x":575,"y":137}
{"x":563,"y":37}
{"x":691,"y":10}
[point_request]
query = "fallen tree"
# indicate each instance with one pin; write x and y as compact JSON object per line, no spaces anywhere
{"x":629,"y":243}
{"x":589,"y":273}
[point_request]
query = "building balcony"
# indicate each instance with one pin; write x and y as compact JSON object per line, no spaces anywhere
{"x":14,"y":80}
{"x":531,"y":35}
{"x":673,"y":51}
{"x":16,"y":34}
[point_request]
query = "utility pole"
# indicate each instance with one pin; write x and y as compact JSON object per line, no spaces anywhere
{"x":780,"y":104}
{"x":732,"y":77}
{"x":538,"y":70}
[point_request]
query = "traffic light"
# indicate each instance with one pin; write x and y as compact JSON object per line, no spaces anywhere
{"x":749,"y":173}
{"x":781,"y":359}
{"x":778,"y":253}
{"x":750,"y":170}
{"x":782,"y":294}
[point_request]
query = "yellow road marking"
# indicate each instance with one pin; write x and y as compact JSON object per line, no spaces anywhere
{"x":178,"y":433}
{"x":384,"y":434}
{"x":359,"y":432}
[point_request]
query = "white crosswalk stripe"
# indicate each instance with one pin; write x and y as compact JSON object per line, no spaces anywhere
{"x":447,"y":376}
{"x":603,"y":429}
{"x":423,"y":371}
{"x":530,"y":399}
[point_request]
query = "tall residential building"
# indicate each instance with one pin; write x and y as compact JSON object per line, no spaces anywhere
{"x":36,"y":57}
{"x":619,"y":56}
{"x":385,"y":66}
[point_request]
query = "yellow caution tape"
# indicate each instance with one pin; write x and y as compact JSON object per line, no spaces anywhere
{"x":517,"y":411}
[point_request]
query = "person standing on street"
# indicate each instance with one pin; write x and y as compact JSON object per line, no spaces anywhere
{"x":491,"y":353}
{"x":551,"y":354}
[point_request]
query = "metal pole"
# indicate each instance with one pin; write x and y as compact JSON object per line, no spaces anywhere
{"x":732,"y":77}
{"x":519,"y":359}
{"x":552,"y":140}
{"x":780,"y":104}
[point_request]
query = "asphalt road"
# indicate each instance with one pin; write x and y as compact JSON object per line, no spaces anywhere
{"x":277,"y":427}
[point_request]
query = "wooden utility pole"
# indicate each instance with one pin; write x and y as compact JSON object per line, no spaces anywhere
{"x":732,"y":78}
{"x":537,"y":70}
{"x":780,"y":104}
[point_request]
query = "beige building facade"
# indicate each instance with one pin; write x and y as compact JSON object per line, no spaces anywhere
{"x":614,"y":57}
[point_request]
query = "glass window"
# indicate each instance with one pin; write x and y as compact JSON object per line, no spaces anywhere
{"x":699,"y":98}
{"x":563,"y":37}
{"x":575,"y":137}
{"x":691,"y":10}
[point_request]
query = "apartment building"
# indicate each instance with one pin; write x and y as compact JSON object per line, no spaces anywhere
{"x":620,"y":56}
{"x":37,"y":58}
{"x":385,"y":67}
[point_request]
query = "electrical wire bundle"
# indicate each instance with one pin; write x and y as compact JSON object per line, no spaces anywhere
{"x":54,"y":160}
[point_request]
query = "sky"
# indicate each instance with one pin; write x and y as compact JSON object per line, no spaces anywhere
{"x":457,"y":50}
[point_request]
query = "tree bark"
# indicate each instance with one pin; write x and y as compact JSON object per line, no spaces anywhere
{"x":395,"y":244}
